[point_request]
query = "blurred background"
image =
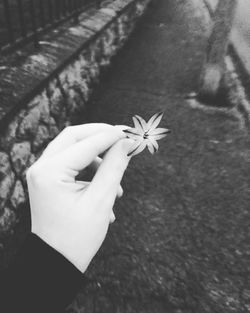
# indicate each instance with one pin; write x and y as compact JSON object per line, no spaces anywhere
{"x":181,"y":240}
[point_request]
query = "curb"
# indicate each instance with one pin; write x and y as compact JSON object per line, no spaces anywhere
{"x":28,"y":71}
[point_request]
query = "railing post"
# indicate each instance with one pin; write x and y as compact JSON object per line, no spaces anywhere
{"x":21,"y":17}
{"x":50,"y":9}
{"x":33,"y":21}
{"x":42,"y":16}
{"x":75,"y":7}
{"x":98,"y":3}
{"x":8,"y":20}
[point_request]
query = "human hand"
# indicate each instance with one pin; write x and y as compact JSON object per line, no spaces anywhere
{"x":73,"y":216}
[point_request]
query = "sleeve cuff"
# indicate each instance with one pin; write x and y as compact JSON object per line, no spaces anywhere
{"x":43,"y":278}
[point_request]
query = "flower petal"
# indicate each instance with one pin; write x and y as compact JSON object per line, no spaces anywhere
{"x":154,"y":121}
{"x":158,"y":137}
{"x":153,"y":142}
{"x":137,"y":148}
{"x":138,"y":125}
{"x":150,"y":147}
{"x":159,"y":131}
{"x":141,"y":122}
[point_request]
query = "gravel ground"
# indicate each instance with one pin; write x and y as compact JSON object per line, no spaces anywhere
{"x":181,"y":242}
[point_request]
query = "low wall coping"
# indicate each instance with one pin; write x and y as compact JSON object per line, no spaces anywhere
{"x":28,"y":70}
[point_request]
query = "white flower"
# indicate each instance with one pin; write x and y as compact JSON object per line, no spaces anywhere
{"x":146,"y":134}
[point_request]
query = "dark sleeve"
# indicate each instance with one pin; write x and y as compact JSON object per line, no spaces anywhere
{"x":40,"y":279}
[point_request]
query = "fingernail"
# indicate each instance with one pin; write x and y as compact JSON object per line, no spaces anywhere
{"x":120,"y":133}
{"x":125,"y":132}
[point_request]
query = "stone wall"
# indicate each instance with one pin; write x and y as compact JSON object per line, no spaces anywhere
{"x":57,"y":88}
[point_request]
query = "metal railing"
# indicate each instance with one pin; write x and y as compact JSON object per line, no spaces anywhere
{"x":23,"y":21}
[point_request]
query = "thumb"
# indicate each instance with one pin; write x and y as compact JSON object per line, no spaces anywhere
{"x":110,"y":173}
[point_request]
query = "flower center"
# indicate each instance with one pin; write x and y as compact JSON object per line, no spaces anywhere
{"x":145,"y":136}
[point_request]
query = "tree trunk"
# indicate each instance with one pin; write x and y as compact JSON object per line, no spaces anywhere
{"x":214,"y":65}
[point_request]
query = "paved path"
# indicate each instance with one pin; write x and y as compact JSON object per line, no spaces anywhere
{"x":181,"y":240}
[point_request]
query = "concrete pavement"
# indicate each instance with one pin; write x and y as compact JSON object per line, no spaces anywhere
{"x":181,"y":240}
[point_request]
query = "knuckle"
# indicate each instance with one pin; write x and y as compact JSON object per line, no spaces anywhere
{"x":49,"y":145}
{"x":30,"y":172}
{"x":68,"y":130}
{"x":35,"y":174}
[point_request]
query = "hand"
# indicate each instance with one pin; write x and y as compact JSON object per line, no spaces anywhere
{"x":73,"y":216}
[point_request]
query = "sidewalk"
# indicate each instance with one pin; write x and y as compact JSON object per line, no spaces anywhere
{"x":181,"y":240}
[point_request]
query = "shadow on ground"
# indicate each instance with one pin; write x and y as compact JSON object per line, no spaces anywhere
{"x":181,"y":242}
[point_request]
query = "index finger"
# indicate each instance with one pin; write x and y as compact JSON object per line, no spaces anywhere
{"x":79,"y":155}
{"x":71,"y":135}
{"x":109,"y":175}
